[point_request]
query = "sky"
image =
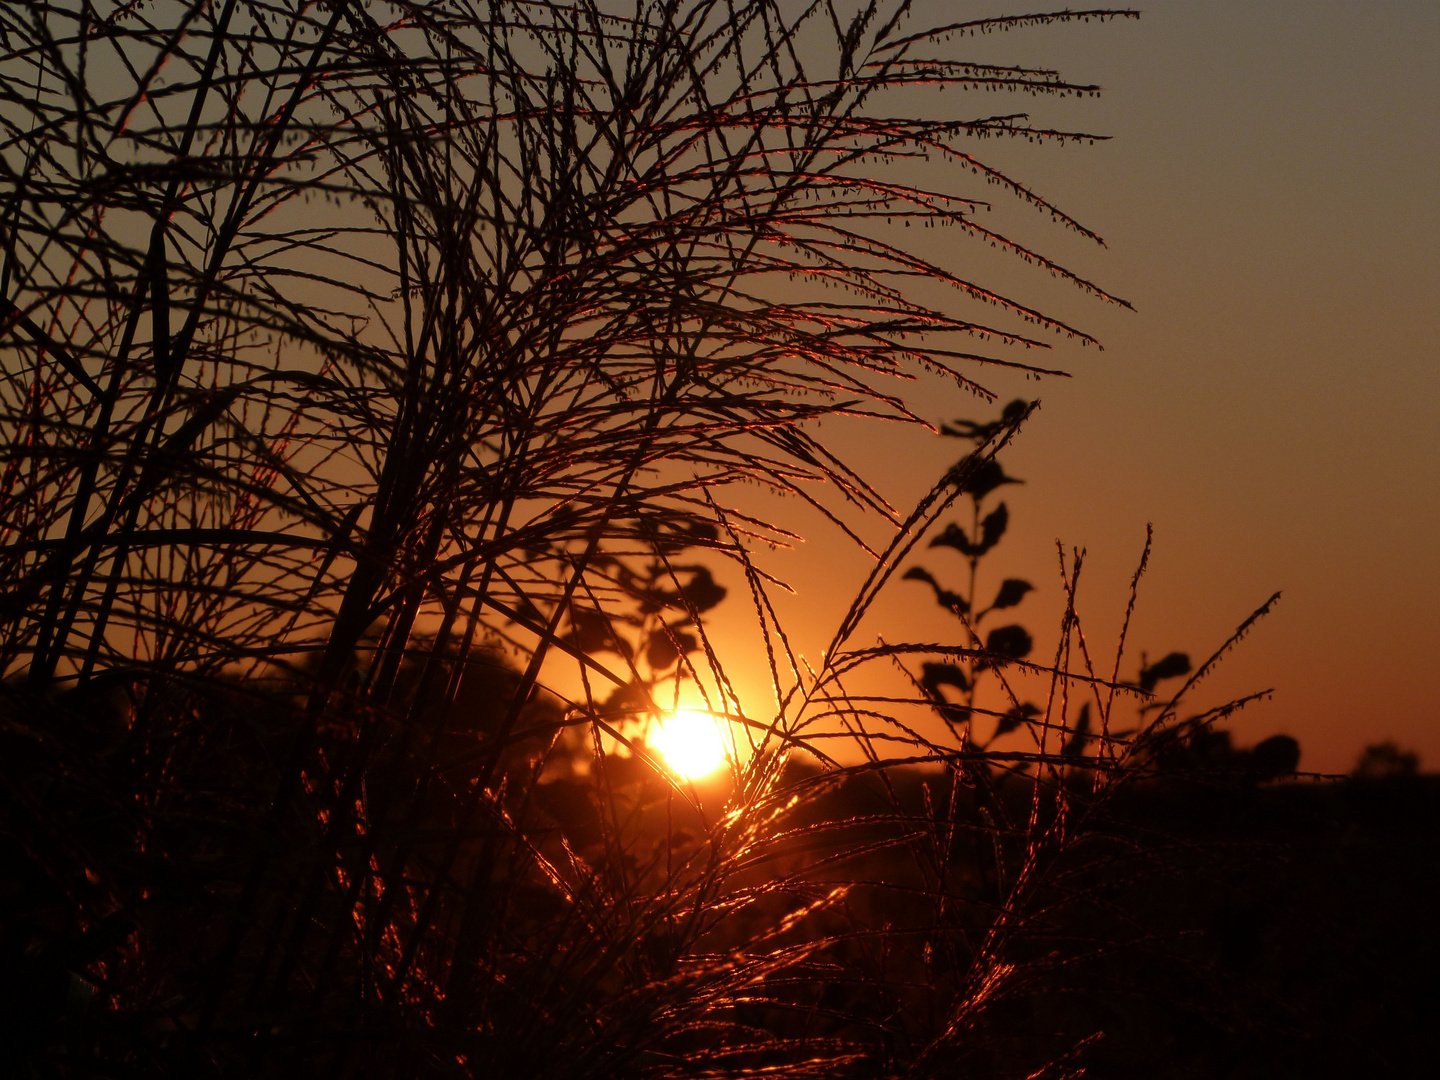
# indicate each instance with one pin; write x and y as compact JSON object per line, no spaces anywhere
{"x":1268,"y":197}
{"x":1272,"y":404}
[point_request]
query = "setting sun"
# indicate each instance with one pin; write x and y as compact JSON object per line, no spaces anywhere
{"x":691,"y":743}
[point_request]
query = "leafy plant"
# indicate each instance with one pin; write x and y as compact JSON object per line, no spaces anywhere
{"x":997,"y":644}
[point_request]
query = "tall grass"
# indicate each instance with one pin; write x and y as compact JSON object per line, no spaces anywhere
{"x":376,"y":379}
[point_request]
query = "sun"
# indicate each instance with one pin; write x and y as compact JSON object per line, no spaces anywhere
{"x":691,"y":743}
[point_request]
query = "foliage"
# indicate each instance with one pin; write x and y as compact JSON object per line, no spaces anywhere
{"x":1386,"y":759}
{"x":368,"y":372}
{"x":1011,"y":641}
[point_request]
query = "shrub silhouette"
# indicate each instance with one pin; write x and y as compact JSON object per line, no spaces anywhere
{"x":1384,"y":759}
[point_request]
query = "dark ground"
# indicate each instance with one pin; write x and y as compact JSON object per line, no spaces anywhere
{"x":1296,"y":933}
{"x":1287,"y":929}
{"x":1217,"y":928}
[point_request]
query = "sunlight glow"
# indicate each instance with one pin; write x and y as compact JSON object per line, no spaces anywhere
{"x":691,"y":743}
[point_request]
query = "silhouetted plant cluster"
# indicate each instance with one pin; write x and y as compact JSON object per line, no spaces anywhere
{"x":1386,"y":759}
{"x":991,"y":648}
{"x":376,"y":382}
{"x":974,"y":541}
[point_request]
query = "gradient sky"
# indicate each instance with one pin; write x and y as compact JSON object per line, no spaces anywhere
{"x":1269,"y":199}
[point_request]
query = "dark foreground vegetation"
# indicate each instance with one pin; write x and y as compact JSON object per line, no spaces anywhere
{"x":384,"y":388}
{"x":1291,"y":935}
{"x":1209,"y":924}
{"x":1213,"y":926}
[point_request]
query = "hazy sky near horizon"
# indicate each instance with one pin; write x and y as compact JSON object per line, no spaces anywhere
{"x":1272,"y":405}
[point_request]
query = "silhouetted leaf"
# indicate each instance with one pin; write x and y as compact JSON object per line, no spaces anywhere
{"x":1079,"y":735}
{"x":1010,"y":641}
{"x":626,"y":701}
{"x":955,"y":537}
{"x":933,"y":676}
{"x":670,"y":538}
{"x":985,"y":477}
{"x":702,"y":593}
{"x":950,"y":601}
{"x":993,"y":527}
{"x":1012,"y":591}
{"x":661,"y":651}
{"x":701,"y":531}
{"x":590,"y":633}
{"x":1014,"y":717}
{"x":981,"y":432}
{"x":1168,"y":667}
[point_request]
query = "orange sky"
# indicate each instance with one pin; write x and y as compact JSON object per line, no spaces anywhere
{"x":1272,"y":406}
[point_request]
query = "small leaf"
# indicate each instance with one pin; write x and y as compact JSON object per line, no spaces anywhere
{"x":1012,"y":591}
{"x":955,"y":537}
{"x":1013,"y":718}
{"x":1009,"y":641}
{"x":1079,"y":735}
{"x":670,"y":539}
{"x":703,"y":532}
{"x":1014,"y":412}
{"x":661,"y":651}
{"x":702,"y":591}
{"x":993,"y":527}
{"x":590,"y":632}
{"x":984,"y":477}
{"x":950,"y":601}
{"x":1168,"y":667}
{"x":627,"y":701}
{"x":933,"y":676}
